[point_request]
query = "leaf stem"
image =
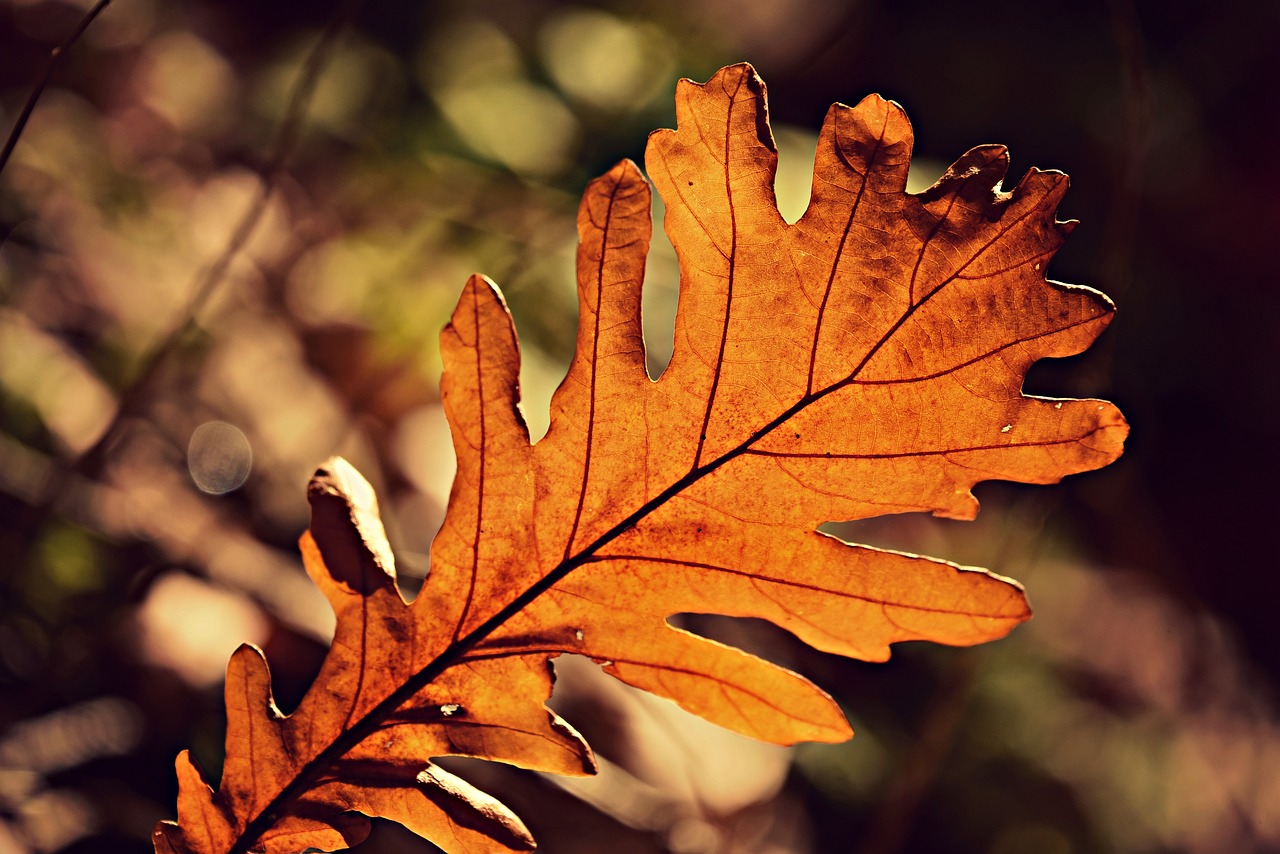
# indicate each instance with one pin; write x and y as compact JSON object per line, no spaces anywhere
{"x":55,"y":59}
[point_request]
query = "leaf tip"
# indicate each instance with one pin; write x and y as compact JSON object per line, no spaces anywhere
{"x":479,"y":298}
{"x":856,"y":143}
{"x":347,"y":530}
{"x":624,"y":173}
{"x":730,"y":81}
{"x":876,"y":109}
{"x":247,"y":655}
{"x":336,"y":476}
{"x":731,"y":78}
{"x":189,"y":773}
{"x":480,"y":285}
{"x":248,"y":686}
{"x":1112,"y":431}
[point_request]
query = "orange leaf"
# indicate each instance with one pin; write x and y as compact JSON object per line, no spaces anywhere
{"x":867,"y":360}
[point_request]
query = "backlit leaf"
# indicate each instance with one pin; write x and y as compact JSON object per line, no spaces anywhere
{"x":868,"y":359}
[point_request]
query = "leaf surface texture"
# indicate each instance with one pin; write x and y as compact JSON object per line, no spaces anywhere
{"x":868,"y":359}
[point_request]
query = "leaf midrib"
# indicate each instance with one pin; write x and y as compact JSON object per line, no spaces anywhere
{"x":370,"y":722}
{"x":352,"y":736}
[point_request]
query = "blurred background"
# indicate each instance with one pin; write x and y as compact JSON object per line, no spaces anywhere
{"x":231,"y":233}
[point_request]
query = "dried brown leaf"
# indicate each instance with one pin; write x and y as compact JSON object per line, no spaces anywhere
{"x":868,"y":359}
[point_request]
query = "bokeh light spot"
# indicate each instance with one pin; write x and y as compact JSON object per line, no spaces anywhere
{"x":193,"y":627}
{"x":219,"y":457}
{"x":605,"y":61}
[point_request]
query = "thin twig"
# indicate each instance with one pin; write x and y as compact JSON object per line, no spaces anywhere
{"x":892,"y":821}
{"x":1122,"y":220}
{"x":1120,"y":229}
{"x":1025,"y":537}
{"x":207,"y":281}
{"x":135,"y":395}
{"x":55,"y":59}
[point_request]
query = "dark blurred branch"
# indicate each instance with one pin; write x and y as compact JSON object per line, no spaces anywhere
{"x":206,"y":283}
{"x":55,"y":59}
{"x":1122,"y":222}
{"x":892,"y":822}
{"x":1024,"y":539}
{"x":135,"y":396}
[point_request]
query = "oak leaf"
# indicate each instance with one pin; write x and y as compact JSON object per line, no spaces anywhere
{"x":868,"y":359}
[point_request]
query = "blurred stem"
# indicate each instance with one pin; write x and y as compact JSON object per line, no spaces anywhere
{"x":892,"y":821}
{"x":55,"y":60}
{"x":1024,"y":538}
{"x":1122,"y":223}
{"x":134,"y":398}
{"x":207,"y":282}
{"x":1121,"y":226}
